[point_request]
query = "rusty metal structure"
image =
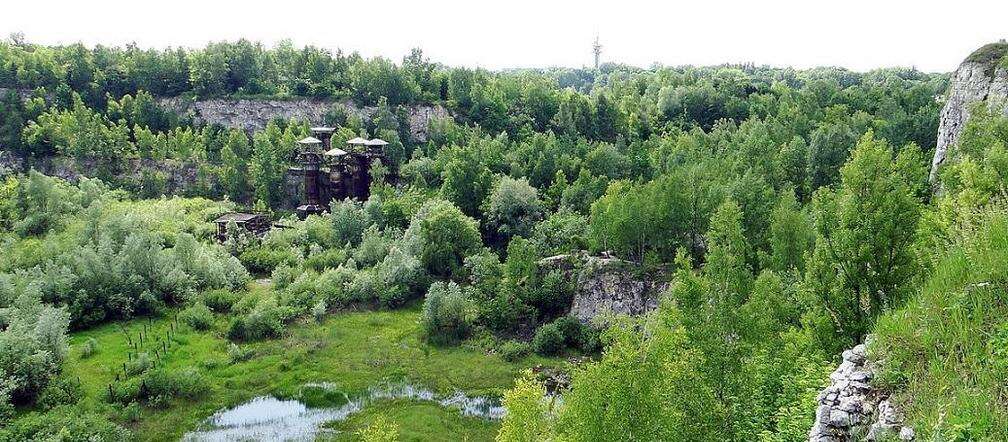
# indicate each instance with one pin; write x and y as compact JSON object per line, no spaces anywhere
{"x":331,"y":172}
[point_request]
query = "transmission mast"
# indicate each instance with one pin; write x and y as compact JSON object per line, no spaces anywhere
{"x":597,"y":49}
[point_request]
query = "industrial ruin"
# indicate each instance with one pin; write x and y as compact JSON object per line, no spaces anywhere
{"x":331,"y":172}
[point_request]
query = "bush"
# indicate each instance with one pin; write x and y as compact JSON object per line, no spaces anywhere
{"x":198,"y":316}
{"x":549,"y":339}
{"x":447,"y":314}
{"x":220,"y":300}
{"x":238,"y":354}
{"x":63,"y":424}
{"x":141,"y":363}
{"x":349,"y":221}
{"x":512,"y":208}
{"x":89,"y":348}
{"x":402,"y":277}
{"x":32,"y":347}
{"x":161,"y":386}
{"x":373,"y":247}
{"x":319,"y":310}
{"x":565,"y":332}
{"x":512,"y":351}
{"x":263,"y":259}
{"x":266,"y":320}
{"x":65,"y":391}
{"x":326,"y":259}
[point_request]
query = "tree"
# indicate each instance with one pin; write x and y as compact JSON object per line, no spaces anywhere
{"x":442,"y":236}
{"x":790,"y":235}
{"x":466,"y":180}
{"x":862,"y":263}
{"x":512,"y":208}
{"x":12,"y":120}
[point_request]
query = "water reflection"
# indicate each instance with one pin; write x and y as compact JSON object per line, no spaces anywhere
{"x":270,"y":418}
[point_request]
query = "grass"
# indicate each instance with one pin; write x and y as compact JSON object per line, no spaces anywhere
{"x":353,"y":350}
{"x":416,"y":422}
{"x":945,"y":355}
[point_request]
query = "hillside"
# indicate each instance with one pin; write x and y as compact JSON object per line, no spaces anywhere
{"x":731,"y":252}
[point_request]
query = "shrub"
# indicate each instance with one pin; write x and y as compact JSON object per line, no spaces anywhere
{"x":512,"y":351}
{"x":565,"y":332}
{"x":65,"y":391}
{"x":263,"y":259}
{"x":330,"y":286}
{"x":266,"y":320}
{"x":219,"y":300}
{"x":161,"y":386}
{"x":447,"y":314}
{"x":198,"y":316}
{"x":373,"y":247}
{"x":549,"y":339}
{"x":141,"y":363}
{"x":88,"y":348}
{"x":364,"y":287}
{"x":402,"y":277}
{"x":326,"y":259}
{"x":63,"y":424}
{"x":349,"y":221}
{"x":319,"y":310}
{"x":32,"y":347}
{"x":238,"y":354}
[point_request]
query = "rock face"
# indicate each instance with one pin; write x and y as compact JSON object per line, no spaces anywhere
{"x":606,"y":285}
{"x":851,"y":409}
{"x":982,"y":76}
{"x":252,"y":115}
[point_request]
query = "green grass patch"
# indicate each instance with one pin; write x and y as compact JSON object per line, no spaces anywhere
{"x":415,"y":421}
{"x":351,"y":351}
{"x":945,"y":355}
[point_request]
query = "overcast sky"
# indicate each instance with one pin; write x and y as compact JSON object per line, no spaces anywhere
{"x":857,"y":34}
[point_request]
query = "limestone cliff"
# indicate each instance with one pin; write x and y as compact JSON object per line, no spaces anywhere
{"x":983,"y":76}
{"x":253,"y":114}
{"x":606,"y":285}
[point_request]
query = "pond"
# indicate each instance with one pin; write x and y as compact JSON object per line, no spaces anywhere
{"x":301,"y":419}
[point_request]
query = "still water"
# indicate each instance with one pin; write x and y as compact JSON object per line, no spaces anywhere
{"x":273,"y":419}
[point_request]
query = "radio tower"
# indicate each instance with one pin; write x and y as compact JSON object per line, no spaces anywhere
{"x":597,"y":49}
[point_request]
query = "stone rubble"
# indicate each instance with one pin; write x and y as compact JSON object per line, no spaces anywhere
{"x":851,"y":409}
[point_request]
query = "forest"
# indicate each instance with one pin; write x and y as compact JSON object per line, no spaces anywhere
{"x":788,"y":212}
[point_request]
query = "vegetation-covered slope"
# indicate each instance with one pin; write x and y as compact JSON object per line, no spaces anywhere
{"x":792,"y":206}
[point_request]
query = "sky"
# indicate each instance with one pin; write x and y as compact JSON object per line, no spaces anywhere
{"x":930,"y":35}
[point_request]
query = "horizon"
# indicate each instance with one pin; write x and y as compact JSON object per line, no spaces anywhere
{"x":741,"y":34}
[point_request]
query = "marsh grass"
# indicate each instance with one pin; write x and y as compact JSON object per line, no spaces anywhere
{"x":350,"y":351}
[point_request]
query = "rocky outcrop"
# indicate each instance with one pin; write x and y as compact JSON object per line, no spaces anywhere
{"x":253,"y":114}
{"x":981,"y":77}
{"x":851,"y":409}
{"x":606,"y":285}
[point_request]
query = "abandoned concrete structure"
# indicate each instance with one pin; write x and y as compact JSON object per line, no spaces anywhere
{"x":331,"y":172}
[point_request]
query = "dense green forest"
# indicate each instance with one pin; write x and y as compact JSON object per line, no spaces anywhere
{"x":789,"y":211}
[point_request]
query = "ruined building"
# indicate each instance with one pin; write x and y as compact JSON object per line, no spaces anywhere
{"x":331,"y":172}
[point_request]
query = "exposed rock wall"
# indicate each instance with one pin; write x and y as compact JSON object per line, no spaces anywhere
{"x":606,"y":285}
{"x":251,"y":115}
{"x":850,"y":409}
{"x":975,"y":80}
